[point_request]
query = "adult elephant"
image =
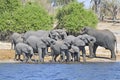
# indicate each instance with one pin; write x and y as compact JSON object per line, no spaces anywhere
{"x":104,"y":38}
{"x":15,"y":38}
{"x":39,"y":45}
{"x":39,"y":33}
{"x":77,"y":42}
{"x":61,"y":48}
{"x":89,"y":41}
{"x":75,"y":53}
{"x":58,"y":34}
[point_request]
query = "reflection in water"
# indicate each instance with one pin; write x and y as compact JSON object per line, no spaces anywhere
{"x":86,"y":71}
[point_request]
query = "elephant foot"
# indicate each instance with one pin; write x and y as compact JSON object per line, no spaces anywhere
{"x":92,"y":56}
{"x":113,"y":58}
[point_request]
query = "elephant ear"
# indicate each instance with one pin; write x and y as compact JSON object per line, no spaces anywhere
{"x":79,"y":42}
{"x":43,"y":40}
{"x":84,"y":30}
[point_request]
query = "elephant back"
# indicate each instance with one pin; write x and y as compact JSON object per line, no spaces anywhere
{"x":78,"y":42}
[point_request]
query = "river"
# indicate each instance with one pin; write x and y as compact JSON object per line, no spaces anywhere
{"x":47,"y":71}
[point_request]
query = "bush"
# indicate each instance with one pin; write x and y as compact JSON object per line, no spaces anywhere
{"x":73,"y":17}
{"x":28,"y":17}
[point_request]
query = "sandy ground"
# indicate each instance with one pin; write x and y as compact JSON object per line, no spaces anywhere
{"x":7,"y":54}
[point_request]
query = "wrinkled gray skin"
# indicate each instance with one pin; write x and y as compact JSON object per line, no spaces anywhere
{"x":55,"y":35}
{"x":104,"y":38}
{"x":39,"y":33}
{"x":39,"y":45}
{"x":25,"y":49}
{"x":60,"y":48}
{"x":58,"y":34}
{"x":75,"y":53}
{"x":15,"y":38}
{"x":89,"y":41}
{"x":77,"y":42}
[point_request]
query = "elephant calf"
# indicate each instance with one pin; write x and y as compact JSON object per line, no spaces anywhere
{"x":26,"y":50}
{"x":75,"y":53}
{"x":60,"y":48}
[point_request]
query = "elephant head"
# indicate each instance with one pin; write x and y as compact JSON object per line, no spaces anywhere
{"x":54,"y":35}
{"x":87,"y":38}
{"x":48,"y":41}
{"x":85,"y":30}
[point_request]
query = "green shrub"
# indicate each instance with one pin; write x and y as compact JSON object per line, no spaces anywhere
{"x":28,"y":17}
{"x":73,"y":17}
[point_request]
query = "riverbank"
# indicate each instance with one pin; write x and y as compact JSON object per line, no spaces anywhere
{"x":103,"y":55}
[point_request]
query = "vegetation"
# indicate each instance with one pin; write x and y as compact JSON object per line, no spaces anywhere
{"x":26,"y":17}
{"x":105,"y":8}
{"x":73,"y":17}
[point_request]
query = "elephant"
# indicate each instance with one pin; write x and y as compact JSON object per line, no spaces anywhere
{"x":89,"y":41}
{"x":15,"y":38}
{"x":25,"y":49}
{"x":54,"y":35}
{"x":60,"y":48}
{"x":39,"y":33}
{"x":39,"y":45}
{"x":59,"y":34}
{"x":72,"y":40}
{"x":75,"y":53}
{"x":104,"y":38}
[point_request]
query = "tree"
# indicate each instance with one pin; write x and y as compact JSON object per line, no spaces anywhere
{"x":8,"y":5}
{"x":73,"y":17}
{"x":28,"y":17}
{"x":106,"y":7}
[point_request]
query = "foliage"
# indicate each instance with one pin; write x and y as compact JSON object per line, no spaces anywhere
{"x":73,"y":17}
{"x":8,"y":5}
{"x":106,"y":8}
{"x":28,"y":17}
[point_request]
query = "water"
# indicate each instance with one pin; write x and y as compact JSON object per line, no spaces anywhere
{"x":86,"y":71}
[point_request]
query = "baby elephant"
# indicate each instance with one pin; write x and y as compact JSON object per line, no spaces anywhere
{"x":25,"y":49}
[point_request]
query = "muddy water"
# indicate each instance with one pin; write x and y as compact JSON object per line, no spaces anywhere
{"x":80,"y":71}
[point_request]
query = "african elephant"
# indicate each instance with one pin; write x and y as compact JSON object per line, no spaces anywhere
{"x":39,"y":33}
{"x":15,"y":38}
{"x":25,"y":49}
{"x":89,"y":41}
{"x":60,"y":48}
{"x":77,"y":42}
{"x":104,"y":38}
{"x":75,"y":53}
{"x":59,"y":34}
{"x":39,"y":45}
{"x":55,"y":35}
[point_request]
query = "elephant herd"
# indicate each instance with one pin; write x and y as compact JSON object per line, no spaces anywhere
{"x":68,"y":47}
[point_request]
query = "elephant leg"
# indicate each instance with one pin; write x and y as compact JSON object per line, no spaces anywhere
{"x":75,"y":56}
{"x":55,"y":57}
{"x":91,"y":49}
{"x":78,"y":56}
{"x":40,"y":55}
{"x":15,"y":58}
{"x":19,"y":56}
{"x":63,"y":55}
{"x":68,"y":55}
{"x":94,"y":50}
{"x":113,"y":56}
{"x":84,"y":54}
{"x":25,"y":57}
{"x":43,"y":53}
